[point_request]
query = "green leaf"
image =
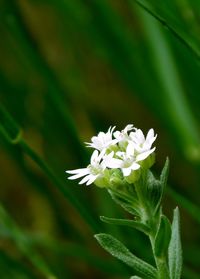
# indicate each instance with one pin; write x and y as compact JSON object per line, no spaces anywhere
{"x":8,"y":127}
{"x":163,"y":237}
{"x":118,"y":250}
{"x":129,"y":203}
{"x":154,"y":190}
{"x":135,"y":277}
{"x":163,"y":182}
{"x":129,"y":223}
{"x":187,"y":204}
{"x":165,"y":173}
{"x":165,"y":14}
{"x":175,"y":249}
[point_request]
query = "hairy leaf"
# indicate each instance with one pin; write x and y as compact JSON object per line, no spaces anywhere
{"x":118,"y":250}
{"x":175,"y":249}
{"x":129,"y":223}
{"x":163,"y":237}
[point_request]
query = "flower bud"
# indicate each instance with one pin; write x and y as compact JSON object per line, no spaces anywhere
{"x":134,"y":176}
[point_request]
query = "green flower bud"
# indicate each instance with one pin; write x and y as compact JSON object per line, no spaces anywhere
{"x":134,"y":176}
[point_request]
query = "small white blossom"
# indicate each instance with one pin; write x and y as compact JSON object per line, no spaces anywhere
{"x":102,"y":140}
{"x":141,"y":144}
{"x":131,"y":151}
{"x":126,"y":161}
{"x":122,"y":135}
{"x":94,"y":170}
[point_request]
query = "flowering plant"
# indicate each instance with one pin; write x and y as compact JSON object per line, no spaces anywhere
{"x":121,"y":163}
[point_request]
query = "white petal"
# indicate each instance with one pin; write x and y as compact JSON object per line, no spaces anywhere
{"x":117,"y":134}
{"x":135,"y":166}
{"x":144,"y":155}
{"x":147,"y":145}
{"x":83,"y":170}
{"x":102,"y":153}
{"x":129,"y":127}
{"x":114,"y":163}
{"x":94,"y":156}
{"x":92,"y":179}
{"x":110,"y":130}
{"x":140,"y":136}
{"x":85,"y":179}
{"x":130,"y":149}
{"x":126,"y":171}
{"x":150,"y":134}
{"x":78,"y":175}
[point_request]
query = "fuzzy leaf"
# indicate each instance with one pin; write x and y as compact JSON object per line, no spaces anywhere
{"x":135,"y":277}
{"x":118,"y":250}
{"x":163,"y":182}
{"x":130,"y":204}
{"x":165,"y":173}
{"x":163,"y":237}
{"x":175,"y":249}
{"x":124,"y":222}
{"x":154,"y":190}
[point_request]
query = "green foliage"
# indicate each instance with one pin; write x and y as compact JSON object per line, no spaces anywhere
{"x":130,"y":204}
{"x":129,"y":223}
{"x":163,"y":237}
{"x":67,"y":70}
{"x":118,"y":250}
{"x":175,"y":249}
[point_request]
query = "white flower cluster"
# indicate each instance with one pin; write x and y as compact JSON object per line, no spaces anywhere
{"x":126,"y":150}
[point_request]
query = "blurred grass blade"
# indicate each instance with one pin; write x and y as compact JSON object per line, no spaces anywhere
{"x":172,"y":100}
{"x":10,"y":130}
{"x":161,"y":11}
{"x":189,"y":206}
{"x":13,"y":268}
{"x":56,"y":92}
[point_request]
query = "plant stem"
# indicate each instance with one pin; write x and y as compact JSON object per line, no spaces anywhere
{"x":161,"y":263}
{"x":152,"y":221}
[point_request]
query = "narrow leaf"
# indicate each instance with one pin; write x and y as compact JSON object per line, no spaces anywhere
{"x":166,"y":17}
{"x":163,"y":182}
{"x":163,"y":237}
{"x":165,"y":173}
{"x":118,"y":250}
{"x":124,"y":222}
{"x":154,"y":190}
{"x":175,"y":249}
{"x":130,"y":205}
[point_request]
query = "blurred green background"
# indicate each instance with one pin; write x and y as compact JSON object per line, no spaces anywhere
{"x":72,"y":68}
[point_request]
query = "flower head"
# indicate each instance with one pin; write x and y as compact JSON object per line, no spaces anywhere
{"x":141,"y":144}
{"x":126,"y":161}
{"x":131,"y":153}
{"x":93,"y":171}
{"x":122,"y":136}
{"x":102,"y":140}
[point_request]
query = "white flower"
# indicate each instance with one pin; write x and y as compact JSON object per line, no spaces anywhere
{"x":130,"y":154}
{"x":94,"y":170}
{"x":102,"y":140}
{"x":126,"y":161}
{"x":122,"y":135}
{"x":141,"y":144}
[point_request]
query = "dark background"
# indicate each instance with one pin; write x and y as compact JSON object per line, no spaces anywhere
{"x":69,"y":69}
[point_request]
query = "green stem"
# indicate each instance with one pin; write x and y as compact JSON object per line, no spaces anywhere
{"x":152,"y":221}
{"x":161,"y":263}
